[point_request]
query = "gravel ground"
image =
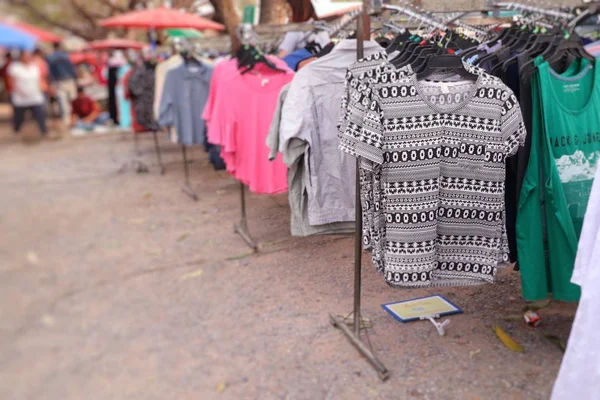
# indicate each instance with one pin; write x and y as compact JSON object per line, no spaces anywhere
{"x":115,"y":285}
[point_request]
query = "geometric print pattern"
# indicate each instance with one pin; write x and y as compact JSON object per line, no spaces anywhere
{"x":355,"y":100}
{"x":439,"y":150}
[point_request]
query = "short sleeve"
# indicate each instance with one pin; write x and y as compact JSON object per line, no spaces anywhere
{"x":511,"y":125}
{"x":366,"y":140}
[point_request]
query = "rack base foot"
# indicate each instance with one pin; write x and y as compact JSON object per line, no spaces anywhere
{"x":185,"y":188}
{"x":381,"y":370}
{"x":242,"y":230}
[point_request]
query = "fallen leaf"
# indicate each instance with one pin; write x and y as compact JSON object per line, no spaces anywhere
{"x":220,"y":192}
{"x":48,"y":320}
{"x":183,"y":236}
{"x":147,"y":195}
{"x":537,"y":305}
{"x":557,"y":341}
{"x":195,"y":274}
{"x":473,"y":353}
{"x":373,"y":392}
{"x":221,"y":387}
{"x":508,"y":341}
{"x":136,"y":221}
{"x":32,"y":258}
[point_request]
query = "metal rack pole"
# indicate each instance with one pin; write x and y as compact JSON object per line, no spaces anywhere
{"x":362,"y":33}
{"x":185,"y":186}
{"x":157,"y":148}
{"x":241,"y":228}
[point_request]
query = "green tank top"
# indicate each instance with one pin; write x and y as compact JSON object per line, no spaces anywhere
{"x":571,"y":109}
{"x":564,"y":154}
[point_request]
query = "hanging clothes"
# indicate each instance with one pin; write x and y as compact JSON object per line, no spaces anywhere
{"x":239,"y":114}
{"x":310,"y":113}
{"x":123,"y":103}
{"x":566,"y":146}
{"x":113,"y":110}
{"x":159,"y":77}
{"x":293,"y":59}
{"x":441,"y":148}
{"x":354,"y":105}
{"x":183,"y":99}
{"x":222,"y":72}
{"x":579,"y":375}
{"x":141,"y":90}
{"x":294,"y":159}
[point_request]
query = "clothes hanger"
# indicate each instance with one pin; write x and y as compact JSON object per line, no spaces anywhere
{"x":445,"y":63}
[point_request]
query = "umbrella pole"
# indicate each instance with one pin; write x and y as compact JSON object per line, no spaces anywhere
{"x":241,"y":228}
{"x":185,"y":186}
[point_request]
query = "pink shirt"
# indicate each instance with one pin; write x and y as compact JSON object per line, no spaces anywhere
{"x":239,"y":112}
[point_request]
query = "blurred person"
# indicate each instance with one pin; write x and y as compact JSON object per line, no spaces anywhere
{"x":40,"y":61}
{"x":8,"y":59}
{"x":296,"y":40}
{"x":86,"y":112}
{"x":25,"y":81}
{"x":63,"y":77}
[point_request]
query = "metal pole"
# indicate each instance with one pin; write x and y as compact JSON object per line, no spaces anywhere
{"x":360,"y":53}
{"x":242,"y":228}
{"x":185,"y":165}
{"x":185,"y":187}
{"x":157,"y":148}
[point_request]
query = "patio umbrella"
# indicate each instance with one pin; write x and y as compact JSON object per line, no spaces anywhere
{"x":10,"y":37}
{"x":184,"y":33}
{"x":39,"y":34}
{"x":160,"y":18}
{"x":108,"y":44}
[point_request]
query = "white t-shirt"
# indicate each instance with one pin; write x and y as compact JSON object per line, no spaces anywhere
{"x":293,"y":41}
{"x":26,"y":84}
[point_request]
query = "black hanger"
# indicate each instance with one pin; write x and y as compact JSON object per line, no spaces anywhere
{"x":398,"y":41}
{"x":568,"y":50}
{"x":421,"y":63}
{"x":446,"y":63}
{"x":248,"y":56}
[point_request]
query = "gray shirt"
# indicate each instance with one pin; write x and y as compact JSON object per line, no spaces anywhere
{"x":183,"y":100}
{"x":310,"y":113}
{"x":293,"y":157}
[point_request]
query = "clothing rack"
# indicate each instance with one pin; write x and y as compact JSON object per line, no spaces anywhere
{"x":185,"y":186}
{"x":537,"y":10}
{"x":353,"y":335}
{"x":244,"y":35}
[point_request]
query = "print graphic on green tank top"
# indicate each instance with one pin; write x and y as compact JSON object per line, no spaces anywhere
{"x":546,"y":234}
{"x":574,"y":134}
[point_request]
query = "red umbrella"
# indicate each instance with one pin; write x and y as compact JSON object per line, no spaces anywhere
{"x":108,"y":44}
{"x":160,"y":18}
{"x":40,"y":34}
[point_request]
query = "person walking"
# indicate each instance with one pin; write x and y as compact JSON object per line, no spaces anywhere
{"x":64,"y":78}
{"x":25,"y":81}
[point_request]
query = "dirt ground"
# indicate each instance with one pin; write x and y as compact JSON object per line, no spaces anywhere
{"x":115,"y":285}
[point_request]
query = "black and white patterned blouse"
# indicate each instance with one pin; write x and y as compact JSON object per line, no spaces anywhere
{"x":353,"y":107}
{"x":441,"y":148}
